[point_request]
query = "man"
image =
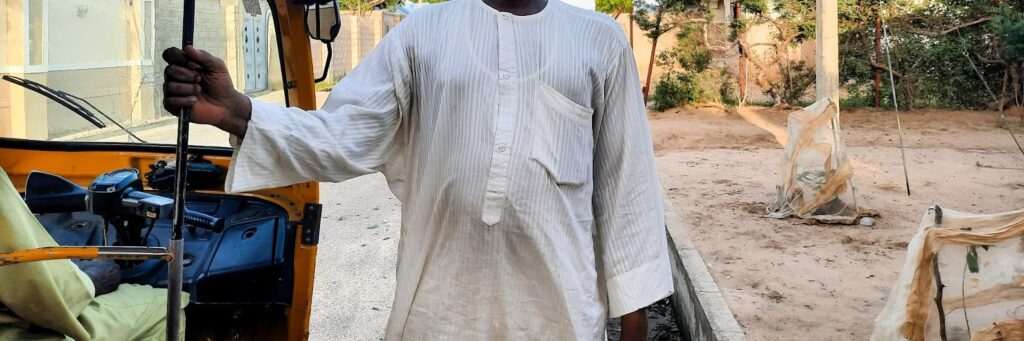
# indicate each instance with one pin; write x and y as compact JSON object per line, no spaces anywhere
{"x":515,"y":136}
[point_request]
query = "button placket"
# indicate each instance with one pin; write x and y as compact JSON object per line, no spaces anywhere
{"x":497,"y":183}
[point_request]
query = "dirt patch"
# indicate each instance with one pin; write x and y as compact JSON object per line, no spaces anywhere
{"x":787,"y":280}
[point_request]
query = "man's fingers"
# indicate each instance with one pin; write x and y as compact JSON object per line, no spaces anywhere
{"x":173,"y":104}
{"x":205,"y":60}
{"x":175,"y":56}
{"x":181,"y":74}
{"x":178,"y":89}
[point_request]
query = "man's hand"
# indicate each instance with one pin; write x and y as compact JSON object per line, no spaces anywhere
{"x":194,"y":78}
{"x":634,"y":326}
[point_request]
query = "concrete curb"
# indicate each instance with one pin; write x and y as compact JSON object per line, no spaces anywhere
{"x":702,"y":310}
{"x":112,"y":130}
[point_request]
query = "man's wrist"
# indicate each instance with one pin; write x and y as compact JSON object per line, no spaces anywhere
{"x":237,"y":121}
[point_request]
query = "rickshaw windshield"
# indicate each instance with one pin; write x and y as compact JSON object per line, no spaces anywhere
{"x":92,"y":70}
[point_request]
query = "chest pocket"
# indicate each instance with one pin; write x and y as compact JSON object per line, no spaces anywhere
{"x":563,"y":139}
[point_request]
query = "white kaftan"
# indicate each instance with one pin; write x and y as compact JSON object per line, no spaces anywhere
{"x":519,"y":148}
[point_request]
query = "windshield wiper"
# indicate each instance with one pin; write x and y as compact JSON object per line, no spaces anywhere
{"x":72,"y":102}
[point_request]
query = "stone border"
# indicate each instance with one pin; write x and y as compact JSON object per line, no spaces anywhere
{"x":700,"y":307}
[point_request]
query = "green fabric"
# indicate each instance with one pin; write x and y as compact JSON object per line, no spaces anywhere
{"x":132,"y":312}
{"x":51,"y":299}
{"x":49,"y":294}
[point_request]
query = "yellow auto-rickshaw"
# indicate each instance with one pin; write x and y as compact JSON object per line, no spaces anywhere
{"x":247,"y":259}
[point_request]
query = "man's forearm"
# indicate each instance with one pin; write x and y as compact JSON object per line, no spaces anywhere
{"x":634,"y":325}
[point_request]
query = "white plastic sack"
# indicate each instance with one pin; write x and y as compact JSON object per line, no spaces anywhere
{"x":980,"y":263}
{"x":817,"y":174}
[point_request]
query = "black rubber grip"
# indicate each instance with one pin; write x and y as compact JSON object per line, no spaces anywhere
{"x":203,"y":220}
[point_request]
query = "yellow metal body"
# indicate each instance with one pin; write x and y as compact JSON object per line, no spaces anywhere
{"x":48,"y":253}
{"x":84,"y":252}
{"x":81,"y":167}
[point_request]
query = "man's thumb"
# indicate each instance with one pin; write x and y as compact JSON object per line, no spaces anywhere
{"x":205,"y":59}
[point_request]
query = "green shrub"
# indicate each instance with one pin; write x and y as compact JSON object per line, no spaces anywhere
{"x":674,"y":90}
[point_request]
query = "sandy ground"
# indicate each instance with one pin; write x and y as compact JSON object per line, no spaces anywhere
{"x":356,"y":258}
{"x":786,"y":280}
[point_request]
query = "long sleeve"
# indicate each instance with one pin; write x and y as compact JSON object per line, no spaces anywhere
{"x":353,"y":134}
{"x":631,"y":241}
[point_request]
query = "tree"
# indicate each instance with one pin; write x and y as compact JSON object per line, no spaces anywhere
{"x":652,"y":17}
{"x":614,"y":7}
{"x":792,"y":23}
{"x":1008,"y":50}
{"x":928,"y":45}
{"x":692,"y":70}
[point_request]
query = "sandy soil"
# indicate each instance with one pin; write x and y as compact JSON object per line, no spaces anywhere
{"x":786,"y":280}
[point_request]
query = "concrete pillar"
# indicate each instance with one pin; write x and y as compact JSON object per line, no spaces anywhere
{"x":826,"y":52}
{"x":378,"y":26}
{"x":28,"y":110}
{"x":353,"y":38}
{"x":135,"y":73}
{"x":233,"y":21}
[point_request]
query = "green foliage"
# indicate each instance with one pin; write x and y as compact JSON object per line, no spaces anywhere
{"x":654,"y":16}
{"x":1008,"y":25}
{"x":799,"y":78}
{"x":793,"y":20}
{"x":674,"y":90}
{"x":613,"y":6}
{"x":689,"y":53}
{"x":790,"y":23}
{"x":681,"y":88}
{"x":928,"y":45}
{"x":690,"y":71}
{"x":361,"y":6}
{"x":726,"y":89}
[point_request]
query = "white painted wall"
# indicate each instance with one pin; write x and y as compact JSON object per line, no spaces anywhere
{"x":3,"y":33}
{"x":98,"y":36}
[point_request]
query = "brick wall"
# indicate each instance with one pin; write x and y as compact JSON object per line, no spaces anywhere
{"x":210,"y":33}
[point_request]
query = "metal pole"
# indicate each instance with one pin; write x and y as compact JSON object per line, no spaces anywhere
{"x":895,"y":106}
{"x":177,"y":242}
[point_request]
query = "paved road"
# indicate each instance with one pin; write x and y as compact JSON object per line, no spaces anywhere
{"x":355,"y":268}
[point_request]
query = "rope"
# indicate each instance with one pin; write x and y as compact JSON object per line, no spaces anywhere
{"x":895,"y":105}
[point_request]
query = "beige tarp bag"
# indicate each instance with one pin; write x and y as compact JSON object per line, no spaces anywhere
{"x":817,"y":174}
{"x":979,"y":261}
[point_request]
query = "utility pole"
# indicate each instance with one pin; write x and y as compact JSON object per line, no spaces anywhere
{"x":826,"y":52}
{"x":737,"y":11}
